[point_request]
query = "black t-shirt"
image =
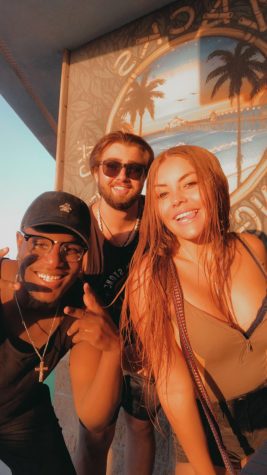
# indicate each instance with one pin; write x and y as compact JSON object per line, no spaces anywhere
{"x":20,"y":391}
{"x":107,"y":268}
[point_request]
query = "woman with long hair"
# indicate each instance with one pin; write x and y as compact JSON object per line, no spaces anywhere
{"x":189,"y":267}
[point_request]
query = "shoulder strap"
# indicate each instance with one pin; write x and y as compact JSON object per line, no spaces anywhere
{"x":256,"y":260}
{"x":178,"y":301}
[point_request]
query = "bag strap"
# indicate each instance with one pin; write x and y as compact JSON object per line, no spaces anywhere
{"x":191,"y":363}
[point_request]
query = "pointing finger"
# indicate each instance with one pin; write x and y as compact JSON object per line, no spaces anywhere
{"x":75,"y":312}
{"x":4,"y":251}
{"x":90,"y":299}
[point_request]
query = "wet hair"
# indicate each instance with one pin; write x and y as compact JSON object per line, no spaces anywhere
{"x":213,"y":188}
{"x":122,"y":138}
{"x":149,"y":271}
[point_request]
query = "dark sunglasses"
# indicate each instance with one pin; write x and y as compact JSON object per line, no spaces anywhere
{"x":112,"y":168}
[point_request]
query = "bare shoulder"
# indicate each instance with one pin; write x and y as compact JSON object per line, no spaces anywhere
{"x":257,"y":247}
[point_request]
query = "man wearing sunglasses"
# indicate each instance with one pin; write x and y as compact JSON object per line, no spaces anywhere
{"x":119,"y":163}
{"x":37,"y":329}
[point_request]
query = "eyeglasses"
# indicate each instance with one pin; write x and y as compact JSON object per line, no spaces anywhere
{"x":41,"y":246}
{"x":112,"y":168}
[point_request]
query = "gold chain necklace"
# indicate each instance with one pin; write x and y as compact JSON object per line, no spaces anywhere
{"x":130,"y":235}
{"x":41,"y":368}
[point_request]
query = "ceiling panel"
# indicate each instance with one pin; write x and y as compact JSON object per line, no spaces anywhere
{"x":34,"y":34}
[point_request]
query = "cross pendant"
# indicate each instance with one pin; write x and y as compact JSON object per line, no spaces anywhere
{"x":41,"y":368}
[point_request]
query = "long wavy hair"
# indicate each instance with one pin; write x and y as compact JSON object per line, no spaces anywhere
{"x":149,"y":268}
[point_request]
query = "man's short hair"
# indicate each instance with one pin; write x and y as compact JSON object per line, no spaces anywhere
{"x":122,"y":138}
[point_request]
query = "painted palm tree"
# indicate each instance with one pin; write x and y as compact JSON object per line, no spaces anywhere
{"x":141,"y":97}
{"x":119,"y":122}
{"x":262,"y":82}
{"x":236,"y":67}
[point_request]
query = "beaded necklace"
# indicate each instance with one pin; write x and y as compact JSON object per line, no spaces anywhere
{"x":130,"y":235}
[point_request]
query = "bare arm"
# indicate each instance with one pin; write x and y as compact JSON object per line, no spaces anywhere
{"x":95,"y":367}
{"x":176,"y":393}
{"x":177,"y":397}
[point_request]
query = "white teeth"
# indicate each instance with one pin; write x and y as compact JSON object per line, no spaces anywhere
{"x":190,"y":213}
{"x":48,"y":277}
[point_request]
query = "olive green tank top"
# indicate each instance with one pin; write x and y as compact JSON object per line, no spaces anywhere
{"x":232,"y":362}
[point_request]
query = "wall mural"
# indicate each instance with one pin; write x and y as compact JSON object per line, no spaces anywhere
{"x":193,"y":72}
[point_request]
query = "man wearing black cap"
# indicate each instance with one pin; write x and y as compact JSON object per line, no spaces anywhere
{"x":35,"y":334}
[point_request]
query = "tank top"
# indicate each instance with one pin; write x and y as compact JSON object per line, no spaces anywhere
{"x":232,"y":362}
{"x":107,"y":267}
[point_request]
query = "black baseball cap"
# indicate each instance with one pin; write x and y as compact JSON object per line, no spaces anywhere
{"x":58,"y":208}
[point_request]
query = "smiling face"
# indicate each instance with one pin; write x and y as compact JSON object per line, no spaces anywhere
{"x":121,"y":192}
{"x":46,"y":277}
{"x":179,"y":202}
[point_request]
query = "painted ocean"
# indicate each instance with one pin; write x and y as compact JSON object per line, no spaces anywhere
{"x":222,"y":143}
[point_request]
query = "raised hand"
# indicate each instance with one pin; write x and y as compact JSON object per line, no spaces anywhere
{"x":4,"y":252}
{"x":7,"y":284}
{"x":93,"y":324}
